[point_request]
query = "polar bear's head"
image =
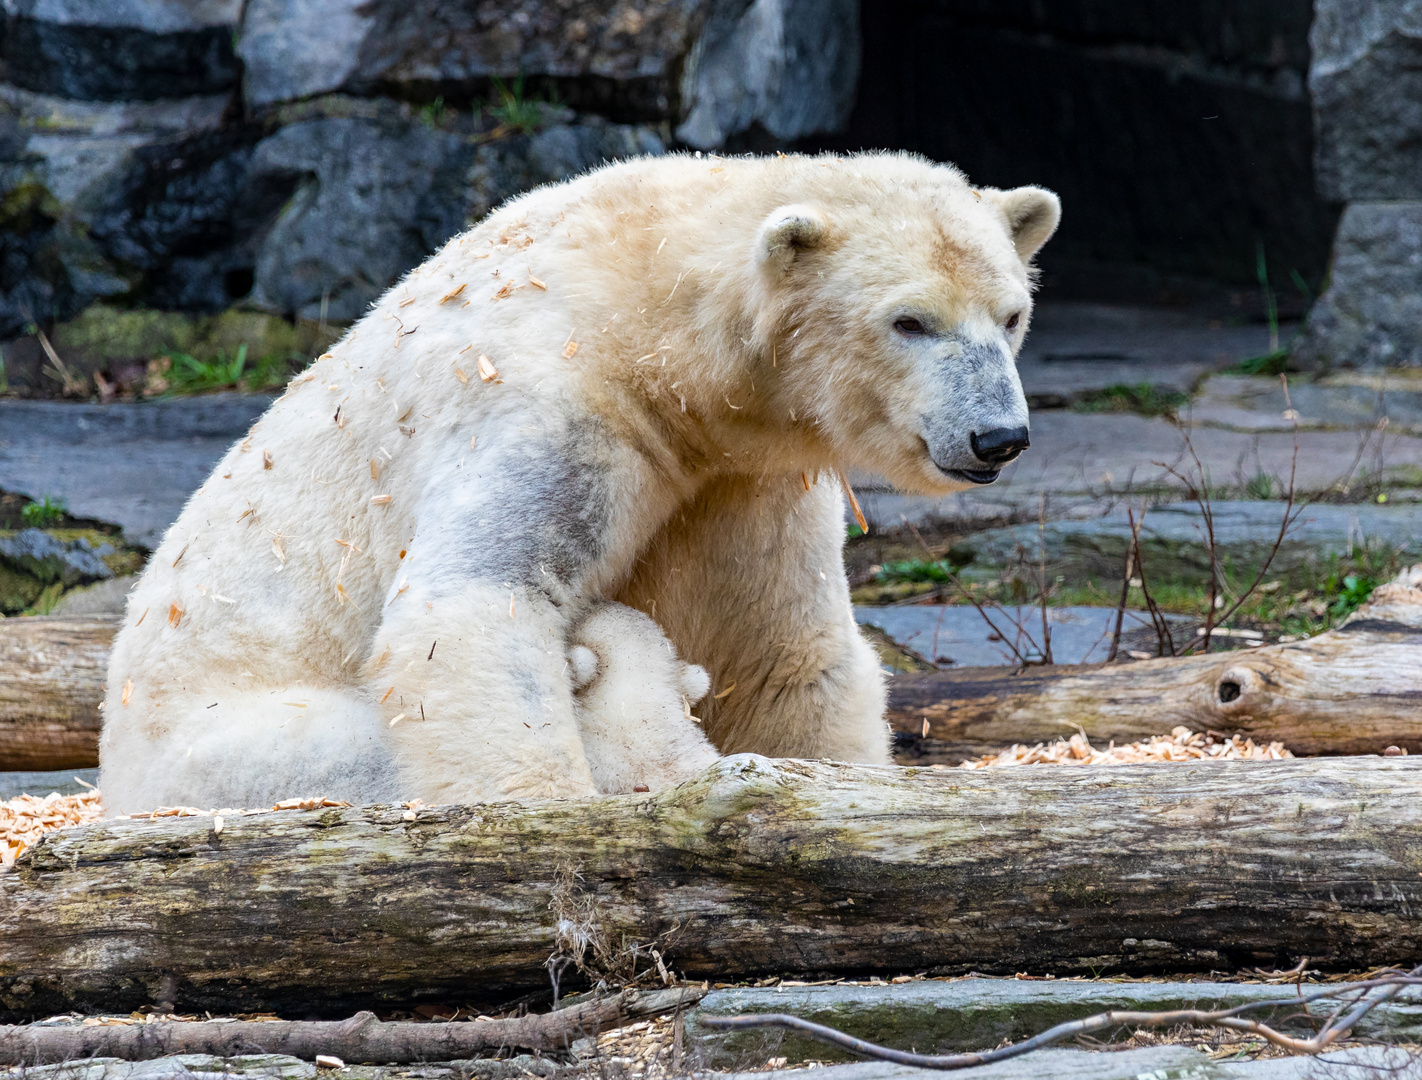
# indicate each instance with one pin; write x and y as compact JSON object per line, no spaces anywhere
{"x":902,"y":296}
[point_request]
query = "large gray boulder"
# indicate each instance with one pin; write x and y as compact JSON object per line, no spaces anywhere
{"x":789,"y":66}
{"x":1371,"y":315}
{"x":721,"y":66}
{"x":1366,"y":83}
{"x":377,"y":190}
{"x":111,"y":50}
{"x":73,"y":177}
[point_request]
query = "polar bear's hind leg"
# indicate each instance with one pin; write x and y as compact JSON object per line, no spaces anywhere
{"x":255,"y":748}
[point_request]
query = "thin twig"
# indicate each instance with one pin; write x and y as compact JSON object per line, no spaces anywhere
{"x":953,"y":577}
{"x":1042,"y":578}
{"x":1126,"y":582}
{"x":1332,"y":1031}
{"x":1290,"y":516}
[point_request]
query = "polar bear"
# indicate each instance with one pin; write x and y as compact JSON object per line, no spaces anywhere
{"x":484,"y":548}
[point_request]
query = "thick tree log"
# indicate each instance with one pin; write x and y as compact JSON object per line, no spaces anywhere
{"x":51,"y":684}
{"x":757,"y":867}
{"x":1354,"y":690}
{"x":362,"y":1038}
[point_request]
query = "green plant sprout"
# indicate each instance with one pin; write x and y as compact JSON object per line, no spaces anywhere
{"x":513,"y":111}
{"x":43,"y":514}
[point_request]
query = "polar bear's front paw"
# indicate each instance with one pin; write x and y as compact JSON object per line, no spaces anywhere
{"x":634,"y":698}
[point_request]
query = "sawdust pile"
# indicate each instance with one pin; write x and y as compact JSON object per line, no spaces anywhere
{"x":1181,"y":744}
{"x":25,"y":819}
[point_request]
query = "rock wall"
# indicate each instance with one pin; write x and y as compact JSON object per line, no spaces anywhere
{"x":1366,"y":81}
{"x":299,"y":155}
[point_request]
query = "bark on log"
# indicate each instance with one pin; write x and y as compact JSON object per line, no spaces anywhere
{"x":1354,"y":690}
{"x":758,"y":867}
{"x":51,"y":684}
{"x":362,"y":1038}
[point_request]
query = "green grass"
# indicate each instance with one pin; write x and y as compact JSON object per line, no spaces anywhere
{"x":189,"y":375}
{"x":1144,"y":399}
{"x":434,"y":113}
{"x":1271,"y":363}
{"x":42,"y":514}
{"x":1307,"y":598}
{"x":512,"y":109}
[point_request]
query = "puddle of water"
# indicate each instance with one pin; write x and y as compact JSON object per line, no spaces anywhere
{"x":957,"y":634}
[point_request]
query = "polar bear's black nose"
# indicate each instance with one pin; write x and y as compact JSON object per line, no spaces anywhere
{"x":1000,"y":445}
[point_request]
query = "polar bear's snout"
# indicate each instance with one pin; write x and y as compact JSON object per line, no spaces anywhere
{"x":999,"y":446}
{"x":976,"y":423}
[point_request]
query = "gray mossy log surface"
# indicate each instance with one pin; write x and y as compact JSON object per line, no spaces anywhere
{"x":1354,"y":690}
{"x":362,"y":1038}
{"x":51,"y":684}
{"x":757,"y":867}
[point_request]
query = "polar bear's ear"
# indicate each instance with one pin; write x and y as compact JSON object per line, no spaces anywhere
{"x":1032,"y":214}
{"x":787,"y":231}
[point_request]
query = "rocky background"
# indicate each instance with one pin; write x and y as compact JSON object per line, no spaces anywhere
{"x":223,"y":185}
{"x":293,"y":157}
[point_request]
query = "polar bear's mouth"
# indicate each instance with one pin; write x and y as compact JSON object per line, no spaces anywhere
{"x":975,"y":476}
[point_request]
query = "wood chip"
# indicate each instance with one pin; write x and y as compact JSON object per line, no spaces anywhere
{"x":329,"y":1061}
{"x":175,"y":615}
{"x":407,"y":301}
{"x":460,"y":374}
{"x":23,"y":820}
{"x":452,"y":293}
{"x":569,"y":347}
{"x":380,"y":500}
{"x":854,"y":505}
{"x":267,"y":460}
{"x":1181,"y":744}
{"x":724,"y":692}
{"x":127,"y":693}
{"x":396,"y":719}
{"x":536,"y":283}
{"x":487,"y":371}
{"x":375,"y":468}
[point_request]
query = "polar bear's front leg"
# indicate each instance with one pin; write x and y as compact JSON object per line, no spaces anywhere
{"x":470,"y":662}
{"x":634,"y":698}
{"x":474,"y":684}
{"x":748,"y":580}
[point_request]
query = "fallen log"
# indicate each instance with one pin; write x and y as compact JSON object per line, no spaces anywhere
{"x":1353,"y":690}
{"x":757,"y":867}
{"x":362,"y":1038}
{"x":51,"y":684}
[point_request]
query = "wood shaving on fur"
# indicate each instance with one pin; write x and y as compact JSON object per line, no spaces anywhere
{"x":1181,"y":744}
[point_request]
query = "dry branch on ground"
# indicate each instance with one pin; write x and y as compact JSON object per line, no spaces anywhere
{"x":362,"y":1038}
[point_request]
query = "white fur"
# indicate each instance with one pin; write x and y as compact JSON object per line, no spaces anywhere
{"x":375,"y":594}
{"x":635,"y":716}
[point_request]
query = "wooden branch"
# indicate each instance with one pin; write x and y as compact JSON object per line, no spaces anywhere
{"x":758,"y":867}
{"x":1354,"y":690}
{"x":362,"y":1038}
{"x":51,"y":684}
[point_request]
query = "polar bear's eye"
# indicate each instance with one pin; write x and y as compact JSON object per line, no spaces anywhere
{"x":909,"y":326}
{"x":1014,"y":320}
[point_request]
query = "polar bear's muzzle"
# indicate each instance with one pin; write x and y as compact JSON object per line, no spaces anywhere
{"x":980,"y":423}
